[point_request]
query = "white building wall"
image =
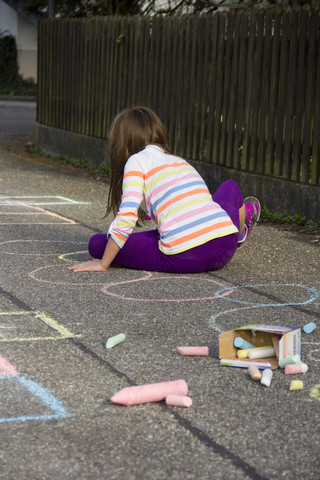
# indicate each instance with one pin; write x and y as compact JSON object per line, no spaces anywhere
{"x":8,"y":19}
{"x":26,"y":39}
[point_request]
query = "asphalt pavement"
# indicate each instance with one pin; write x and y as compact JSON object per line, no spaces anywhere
{"x":57,"y":377}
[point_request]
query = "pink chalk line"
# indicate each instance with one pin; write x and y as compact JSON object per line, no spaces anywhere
{"x":6,"y":369}
{"x":149,"y":277}
{"x":41,"y":212}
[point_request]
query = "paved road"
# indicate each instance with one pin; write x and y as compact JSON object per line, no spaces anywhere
{"x":16,"y":118}
{"x":57,"y":378}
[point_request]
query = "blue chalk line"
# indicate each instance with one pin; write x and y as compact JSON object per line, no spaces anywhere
{"x":314,"y":292}
{"x":44,"y":395}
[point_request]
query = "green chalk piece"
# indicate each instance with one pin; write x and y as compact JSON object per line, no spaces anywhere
{"x":289,"y":361}
{"x":113,"y":341}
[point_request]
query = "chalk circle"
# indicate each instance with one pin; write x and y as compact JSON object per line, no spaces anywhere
{"x":310,"y":294}
{"x":65,"y":255}
{"x":60,"y":275}
{"x":64,"y":247}
{"x":314,"y":355}
{"x":182,"y":286}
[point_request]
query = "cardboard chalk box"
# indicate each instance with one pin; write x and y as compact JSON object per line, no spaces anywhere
{"x":259,"y":336}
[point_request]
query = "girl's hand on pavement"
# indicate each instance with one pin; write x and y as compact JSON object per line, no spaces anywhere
{"x":90,"y":266}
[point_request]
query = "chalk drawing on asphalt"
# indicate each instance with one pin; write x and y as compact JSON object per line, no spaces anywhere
{"x":40,"y":200}
{"x":65,"y":255}
{"x":61,"y":271}
{"x":30,"y":214}
{"x":32,"y":247}
{"x":310,"y":295}
{"x":46,"y":407}
{"x":310,"y":292}
{"x":184,"y":281}
{"x":39,"y":326}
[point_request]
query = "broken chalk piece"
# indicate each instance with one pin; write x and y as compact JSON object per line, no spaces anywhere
{"x":179,"y":400}
{"x":112,"y":341}
{"x":309,"y":327}
{"x":254,"y":373}
{"x":261,"y":353}
{"x":288,"y":360}
{"x":199,"y":351}
{"x":296,"y":385}
{"x":239,"y":342}
{"x":266,"y":377}
{"x":152,"y":392}
{"x":296,"y":368}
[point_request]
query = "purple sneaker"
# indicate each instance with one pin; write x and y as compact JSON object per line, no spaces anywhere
{"x":253,"y":209}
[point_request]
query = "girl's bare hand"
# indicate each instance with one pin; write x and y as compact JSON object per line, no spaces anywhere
{"x":90,"y":266}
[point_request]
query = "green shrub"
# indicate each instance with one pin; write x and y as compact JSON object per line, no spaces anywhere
{"x":11,"y":82}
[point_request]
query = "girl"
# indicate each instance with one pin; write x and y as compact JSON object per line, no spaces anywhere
{"x":194,"y":232}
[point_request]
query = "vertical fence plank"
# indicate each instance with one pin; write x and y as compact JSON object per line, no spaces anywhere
{"x":274,"y":83}
{"x":180,"y":35}
{"x":156,"y":55}
{"x":249,"y":91}
{"x":193,"y":73}
{"x":301,"y":76}
{"x":186,"y":79}
{"x":291,"y":94}
{"x":174,"y":84}
{"x":282,"y":94}
{"x":200,"y":130}
{"x":266,"y":69}
{"x":226,"y":87}
{"x":218,"y":93}
{"x":257,"y":90}
{"x":212,"y":93}
{"x":231,"y":121}
{"x":241,"y":79}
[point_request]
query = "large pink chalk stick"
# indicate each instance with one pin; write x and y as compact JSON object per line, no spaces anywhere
{"x":152,"y":392}
{"x":179,"y":400}
{"x":199,"y":351}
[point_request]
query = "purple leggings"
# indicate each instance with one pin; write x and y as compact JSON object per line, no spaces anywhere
{"x":141,"y":250}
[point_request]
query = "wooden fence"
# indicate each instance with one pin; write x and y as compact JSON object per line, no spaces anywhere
{"x":239,"y":89}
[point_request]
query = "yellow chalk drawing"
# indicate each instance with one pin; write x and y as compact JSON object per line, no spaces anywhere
{"x":64,"y":255}
{"x":61,"y":331}
{"x":315,"y":392}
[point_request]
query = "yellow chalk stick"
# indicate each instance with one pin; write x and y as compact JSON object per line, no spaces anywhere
{"x":296,"y":385}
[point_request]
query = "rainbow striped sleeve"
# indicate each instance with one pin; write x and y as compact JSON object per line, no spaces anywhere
{"x":132,"y":197}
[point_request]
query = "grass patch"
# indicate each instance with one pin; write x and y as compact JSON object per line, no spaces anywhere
{"x":286,"y":218}
{"x":81,"y":163}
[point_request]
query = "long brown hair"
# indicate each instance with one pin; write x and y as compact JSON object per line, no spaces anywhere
{"x":131,"y":131}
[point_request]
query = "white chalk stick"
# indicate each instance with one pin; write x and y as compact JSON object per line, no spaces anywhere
{"x":261,"y":353}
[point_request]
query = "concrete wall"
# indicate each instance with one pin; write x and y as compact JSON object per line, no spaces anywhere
{"x":276,"y":194}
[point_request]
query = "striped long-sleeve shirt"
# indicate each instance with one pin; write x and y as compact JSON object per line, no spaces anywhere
{"x":175,"y":196}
